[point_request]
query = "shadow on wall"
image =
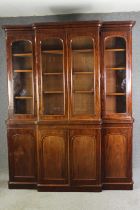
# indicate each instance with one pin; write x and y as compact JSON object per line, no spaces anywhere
{"x":58,"y":10}
{"x":70,"y":9}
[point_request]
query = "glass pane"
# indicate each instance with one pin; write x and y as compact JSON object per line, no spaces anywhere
{"x":22,"y":63}
{"x":52,"y":76}
{"x":83,"y":75}
{"x":22,"y":84}
{"x":82,"y":54}
{"x":23,"y":106}
{"x":82,"y":61}
{"x":116,"y":81}
{"x":22,"y":77}
{"x":115,"y":42}
{"x":83,"y":104}
{"x":83,"y":82}
{"x":115,"y":64}
{"x":53,"y":83}
{"x":82,"y":42}
{"x":54,"y":104}
{"x":52,"y":63}
{"x":115,"y":59}
{"x":116,"y":104}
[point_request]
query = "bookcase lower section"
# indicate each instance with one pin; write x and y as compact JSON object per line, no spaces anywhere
{"x":70,"y":157}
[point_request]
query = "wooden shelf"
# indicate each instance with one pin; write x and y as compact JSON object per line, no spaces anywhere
{"x":84,"y":72}
{"x":23,"y":97}
{"x":22,"y":54}
{"x":115,"y":49}
{"x":82,"y":50}
{"x":116,"y":68}
{"x":55,"y":73}
{"x":23,"y":70}
{"x":116,"y":94}
{"x":52,"y":51}
{"x":53,"y":92}
{"x":83,"y":91}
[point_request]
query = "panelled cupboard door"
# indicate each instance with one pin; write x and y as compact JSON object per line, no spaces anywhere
{"x":85,"y":156}
{"x":83,"y":65}
{"x":117,"y":149}
{"x":21,"y":75}
{"x":53,"y":156}
{"x":52,"y":77}
{"x":22,"y":154}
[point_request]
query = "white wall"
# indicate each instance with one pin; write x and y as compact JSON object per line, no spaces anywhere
{"x":13,"y":8}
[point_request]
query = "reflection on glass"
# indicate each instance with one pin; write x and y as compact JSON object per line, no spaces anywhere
{"x":22,"y":77}
{"x":115,"y":64}
{"x":22,"y":84}
{"x":116,"y":81}
{"x":52,"y":76}
{"x":83,"y":75}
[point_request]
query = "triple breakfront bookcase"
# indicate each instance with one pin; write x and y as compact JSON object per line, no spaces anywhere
{"x":70,"y":106}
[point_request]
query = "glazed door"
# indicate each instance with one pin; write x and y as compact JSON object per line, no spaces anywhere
{"x":117,"y":154}
{"x":84,"y":75}
{"x":116,"y":71}
{"x":21,"y":75}
{"x":53,"y":156}
{"x":85,"y":156}
{"x":22,"y":154}
{"x":51,"y":51}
